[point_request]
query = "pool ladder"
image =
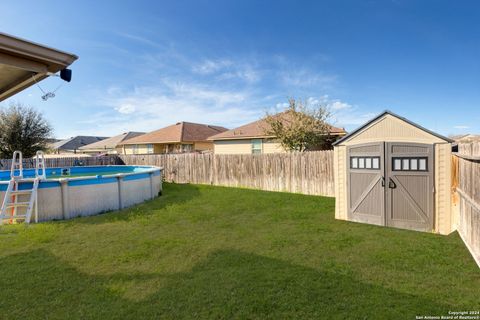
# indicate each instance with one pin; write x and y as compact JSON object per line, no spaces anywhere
{"x":14,"y":210}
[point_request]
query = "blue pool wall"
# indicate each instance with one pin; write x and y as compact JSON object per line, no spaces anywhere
{"x":66,"y":198}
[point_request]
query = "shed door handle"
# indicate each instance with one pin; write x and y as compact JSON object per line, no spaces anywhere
{"x":391,"y":184}
{"x":383,"y":181}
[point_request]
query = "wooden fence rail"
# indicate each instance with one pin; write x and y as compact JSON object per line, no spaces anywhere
{"x":307,"y":172}
{"x":468,"y":190}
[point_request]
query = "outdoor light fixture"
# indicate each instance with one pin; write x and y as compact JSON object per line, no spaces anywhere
{"x":66,"y":74}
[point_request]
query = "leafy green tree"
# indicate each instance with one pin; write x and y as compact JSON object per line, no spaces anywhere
{"x":22,"y":128}
{"x":301,"y":127}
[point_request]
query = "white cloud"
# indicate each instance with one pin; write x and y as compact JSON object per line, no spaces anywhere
{"x":247,"y":74}
{"x":339,"y":105}
{"x":305,"y":78}
{"x":150,"y":108}
{"x":126,"y":108}
{"x":227,"y":69}
{"x":223,"y":91}
{"x":462,"y":127}
{"x":334,"y":105}
{"x":211,"y":66}
{"x":343,"y":114}
{"x":139,"y":38}
{"x":353,"y":119}
{"x":281,"y":105}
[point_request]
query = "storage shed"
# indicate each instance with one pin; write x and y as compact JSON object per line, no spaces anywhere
{"x":393,"y":172}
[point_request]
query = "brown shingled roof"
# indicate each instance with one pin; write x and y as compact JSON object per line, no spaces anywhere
{"x":179,"y":132}
{"x":257,"y":130}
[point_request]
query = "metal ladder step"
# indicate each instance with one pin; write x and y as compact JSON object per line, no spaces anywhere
{"x":24,"y":180}
{"x":17,"y":216}
{"x":17,"y":204}
{"x":21,"y":192}
{"x":16,"y":179}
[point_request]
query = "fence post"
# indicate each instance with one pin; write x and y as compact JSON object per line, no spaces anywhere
{"x":64,"y":193}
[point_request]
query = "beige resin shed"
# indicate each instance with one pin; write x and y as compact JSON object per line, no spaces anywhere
{"x":393,"y":172}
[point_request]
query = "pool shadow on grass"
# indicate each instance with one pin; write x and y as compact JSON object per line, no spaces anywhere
{"x":227,"y":284}
{"x":171,"y":194}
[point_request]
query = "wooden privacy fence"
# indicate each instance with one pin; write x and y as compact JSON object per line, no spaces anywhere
{"x":5,"y":164}
{"x":307,"y":172}
{"x":299,"y":172}
{"x":467,"y":182}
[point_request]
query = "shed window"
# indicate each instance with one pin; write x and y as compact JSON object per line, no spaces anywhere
{"x":365,"y":163}
{"x":414,"y":164}
{"x":409,"y":164}
{"x":361,"y":163}
{"x":397,"y":164}
{"x":354,"y":163}
{"x":422,"y":164}
{"x":368,"y":163}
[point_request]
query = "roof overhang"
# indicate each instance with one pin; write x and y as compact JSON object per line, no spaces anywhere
{"x":23,"y":62}
{"x":239,"y":138}
{"x":157,"y":142}
{"x":261,"y":137}
{"x":96,"y":149}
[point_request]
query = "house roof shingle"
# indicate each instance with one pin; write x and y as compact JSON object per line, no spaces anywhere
{"x":257,"y":129}
{"x":179,"y":132}
{"x":111,"y":143}
{"x":75,"y":142}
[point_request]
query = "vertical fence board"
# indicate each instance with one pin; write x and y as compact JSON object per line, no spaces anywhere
{"x":469,"y":193}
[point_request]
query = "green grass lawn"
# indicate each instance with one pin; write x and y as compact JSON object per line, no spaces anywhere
{"x":212,"y":252}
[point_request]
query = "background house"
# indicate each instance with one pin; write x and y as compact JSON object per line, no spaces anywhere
{"x":465,"y":138}
{"x":181,"y":137}
{"x":109,"y":145}
{"x":251,"y":138}
{"x":73,"y":144}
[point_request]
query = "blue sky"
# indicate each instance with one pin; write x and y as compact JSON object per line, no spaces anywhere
{"x":147,"y":64}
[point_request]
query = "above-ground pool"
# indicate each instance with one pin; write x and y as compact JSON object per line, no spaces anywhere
{"x":82,"y":191}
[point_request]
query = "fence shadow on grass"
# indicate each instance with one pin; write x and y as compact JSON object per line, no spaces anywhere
{"x":227,"y":284}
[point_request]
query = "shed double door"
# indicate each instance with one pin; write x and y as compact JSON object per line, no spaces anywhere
{"x":391,"y":184}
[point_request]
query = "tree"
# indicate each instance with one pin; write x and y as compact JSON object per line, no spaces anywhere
{"x":24,"y":129}
{"x":301,"y":127}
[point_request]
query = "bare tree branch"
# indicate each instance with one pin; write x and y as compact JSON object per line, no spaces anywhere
{"x":301,"y":127}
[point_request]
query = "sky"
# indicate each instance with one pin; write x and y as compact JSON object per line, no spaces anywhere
{"x":144,"y":65}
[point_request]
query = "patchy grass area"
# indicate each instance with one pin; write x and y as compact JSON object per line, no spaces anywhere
{"x":212,"y":252}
